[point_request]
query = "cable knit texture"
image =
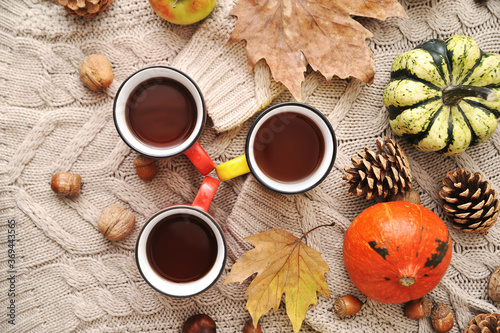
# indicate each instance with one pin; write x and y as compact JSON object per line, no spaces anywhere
{"x":70,"y":278}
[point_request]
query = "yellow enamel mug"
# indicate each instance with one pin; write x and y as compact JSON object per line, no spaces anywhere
{"x":290,"y":148}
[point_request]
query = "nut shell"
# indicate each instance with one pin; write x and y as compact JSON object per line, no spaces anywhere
{"x":346,"y":306}
{"x":65,"y":183}
{"x":494,"y":285}
{"x":249,"y":328}
{"x":418,"y":308}
{"x":116,"y":222}
{"x":441,"y":318}
{"x":96,"y":72}
{"x":145,"y":167}
{"x":410,"y":195}
{"x":199,"y":323}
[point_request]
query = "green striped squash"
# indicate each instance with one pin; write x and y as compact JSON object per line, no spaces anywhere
{"x":444,"y":96}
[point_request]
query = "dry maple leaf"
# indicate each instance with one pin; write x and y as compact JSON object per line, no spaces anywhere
{"x":331,"y":41}
{"x":284,"y":264}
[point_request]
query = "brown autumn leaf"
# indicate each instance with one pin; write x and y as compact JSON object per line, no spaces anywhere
{"x":324,"y":31}
{"x":284,"y":264}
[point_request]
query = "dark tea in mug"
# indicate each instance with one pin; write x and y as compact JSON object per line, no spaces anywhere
{"x":161,"y":112}
{"x":288,"y":147}
{"x":181,"y":248}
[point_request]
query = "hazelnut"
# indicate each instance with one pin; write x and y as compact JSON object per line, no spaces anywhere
{"x":116,"y":222}
{"x":145,"y":167}
{"x":346,"y":306}
{"x":249,"y":328}
{"x":410,"y":196}
{"x":199,"y":323}
{"x":441,"y":318}
{"x":96,"y":72}
{"x":494,"y":285}
{"x":418,"y":308}
{"x":65,"y":183}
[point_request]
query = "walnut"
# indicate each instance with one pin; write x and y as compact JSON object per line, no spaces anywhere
{"x":116,"y":222}
{"x":96,"y":72}
{"x":494,"y":285}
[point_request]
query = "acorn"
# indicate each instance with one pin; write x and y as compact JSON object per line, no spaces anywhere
{"x":65,"y":183}
{"x":441,"y":318}
{"x":347,"y":306}
{"x":145,"y":167}
{"x":418,"y":308}
{"x":410,"y":195}
{"x":249,"y":328}
{"x":199,"y":323}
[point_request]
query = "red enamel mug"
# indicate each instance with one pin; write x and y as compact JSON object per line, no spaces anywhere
{"x":181,"y":250}
{"x":160,"y":112}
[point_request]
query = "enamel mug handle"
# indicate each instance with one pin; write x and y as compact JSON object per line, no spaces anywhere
{"x":206,"y":193}
{"x":233,"y":168}
{"x":200,"y":159}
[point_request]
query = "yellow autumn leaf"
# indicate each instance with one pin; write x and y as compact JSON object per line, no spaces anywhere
{"x":284,"y":264}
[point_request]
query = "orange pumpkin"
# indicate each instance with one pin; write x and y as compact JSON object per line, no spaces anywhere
{"x":397,"y":251}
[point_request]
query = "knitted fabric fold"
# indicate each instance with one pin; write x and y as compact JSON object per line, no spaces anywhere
{"x":233,"y":94}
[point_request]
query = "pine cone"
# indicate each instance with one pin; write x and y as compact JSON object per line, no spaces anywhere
{"x":469,"y":202}
{"x":85,"y":8}
{"x":484,"y":323}
{"x":381,"y":174}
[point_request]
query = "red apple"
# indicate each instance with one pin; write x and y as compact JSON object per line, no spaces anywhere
{"x":183,"y":11}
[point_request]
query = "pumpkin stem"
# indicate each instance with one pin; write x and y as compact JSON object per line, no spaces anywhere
{"x":453,"y":94}
{"x":407,"y":281}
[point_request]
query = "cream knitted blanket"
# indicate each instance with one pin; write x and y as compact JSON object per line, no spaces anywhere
{"x":66,"y":277}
